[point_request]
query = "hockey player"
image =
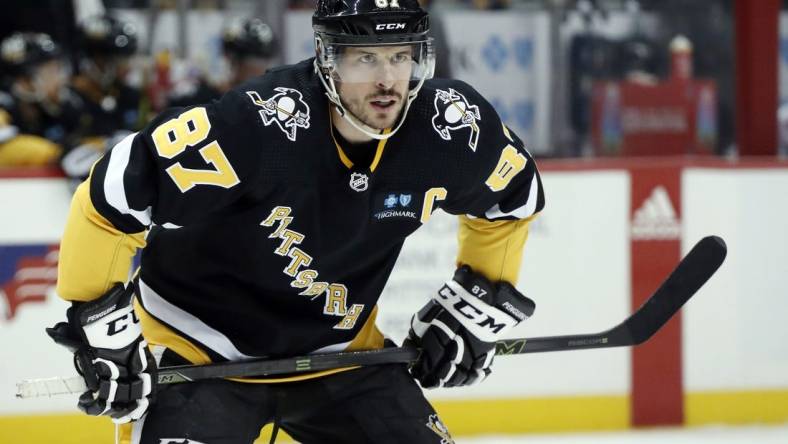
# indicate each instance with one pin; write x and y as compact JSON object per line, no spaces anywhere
{"x":38,"y":114}
{"x":276,"y":216}
{"x":106,"y":45}
{"x":248,"y":46}
{"x":111,"y":107}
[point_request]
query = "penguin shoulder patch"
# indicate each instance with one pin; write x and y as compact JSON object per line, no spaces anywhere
{"x":453,"y":112}
{"x":286,"y":108}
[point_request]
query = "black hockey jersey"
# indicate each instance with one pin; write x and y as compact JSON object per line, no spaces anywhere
{"x":266,"y":240}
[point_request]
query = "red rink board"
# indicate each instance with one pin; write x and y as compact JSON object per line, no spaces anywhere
{"x":657,"y":392}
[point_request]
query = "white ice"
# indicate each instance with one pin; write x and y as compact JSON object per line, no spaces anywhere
{"x":764,"y":434}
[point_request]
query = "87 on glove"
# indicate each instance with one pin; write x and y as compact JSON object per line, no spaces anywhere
{"x":458,"y":328}
{"x":110,"y":353}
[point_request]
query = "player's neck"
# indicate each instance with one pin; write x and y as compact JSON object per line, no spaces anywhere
{"x":346,"y":130}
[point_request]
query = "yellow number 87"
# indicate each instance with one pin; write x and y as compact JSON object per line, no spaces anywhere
{"x":510,"y":163}
{"x":172,"y":138}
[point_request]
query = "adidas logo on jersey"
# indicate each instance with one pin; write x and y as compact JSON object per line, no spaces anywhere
{"x":656,"y":218}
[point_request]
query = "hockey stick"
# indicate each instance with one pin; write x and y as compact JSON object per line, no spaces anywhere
{"x":687,"y":278}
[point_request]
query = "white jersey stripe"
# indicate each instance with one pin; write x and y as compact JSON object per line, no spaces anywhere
{"x":136,"y":430}
{"x":189,"y":324}
{"x":522,"y":212}
{"x":114,"y":190}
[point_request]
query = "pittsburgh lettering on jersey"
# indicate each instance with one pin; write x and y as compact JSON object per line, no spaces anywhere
{"x":307,"y":278}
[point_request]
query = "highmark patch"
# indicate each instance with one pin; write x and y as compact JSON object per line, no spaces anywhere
{"x":392,"y":204}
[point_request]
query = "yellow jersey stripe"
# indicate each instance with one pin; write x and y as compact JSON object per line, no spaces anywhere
{"x":379,"y":152}
{"x":493,"y":248}
{"x":94,"y":255}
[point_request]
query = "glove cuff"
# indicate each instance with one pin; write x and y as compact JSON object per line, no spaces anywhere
{"x":108,"y":322}
{"x":516,"y":304}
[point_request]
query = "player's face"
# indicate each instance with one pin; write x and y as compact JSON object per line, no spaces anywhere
{"x":109,"y":69}
{"x":49,"y":79}
{"x":373,"y":82}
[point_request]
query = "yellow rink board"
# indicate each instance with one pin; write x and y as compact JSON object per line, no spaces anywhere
{"x":466,"y":417}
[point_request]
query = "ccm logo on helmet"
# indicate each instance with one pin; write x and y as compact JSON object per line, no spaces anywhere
{"x":389,"y":26}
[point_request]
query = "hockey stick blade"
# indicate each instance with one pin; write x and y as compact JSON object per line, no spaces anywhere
{"x":686,"y":279}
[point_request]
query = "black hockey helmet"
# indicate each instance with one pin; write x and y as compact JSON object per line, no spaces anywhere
{"x":342,"y":23}
{"x":23,"y":51}
{"x":249,"y":38}
{"x":104,"y":35}
{"x":371,"y":22}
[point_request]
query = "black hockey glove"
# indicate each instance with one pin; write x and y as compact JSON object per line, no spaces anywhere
{"x":110,"y":353}
{"x":459,"y":326}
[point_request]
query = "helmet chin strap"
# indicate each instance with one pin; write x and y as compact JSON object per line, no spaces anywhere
{"x":333,"y":97}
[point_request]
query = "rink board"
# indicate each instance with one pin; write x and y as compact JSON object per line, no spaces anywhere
{"x":577,"y":267}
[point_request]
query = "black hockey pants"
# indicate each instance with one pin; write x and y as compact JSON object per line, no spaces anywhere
{"x":376,"y":404}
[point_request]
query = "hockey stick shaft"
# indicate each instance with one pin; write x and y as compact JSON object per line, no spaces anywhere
{"x":686,"y":279}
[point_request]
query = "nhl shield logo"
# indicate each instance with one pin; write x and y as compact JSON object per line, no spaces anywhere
{"x":359,"y":182}
{"x":453,"y":112}
{"x":286,"y":108}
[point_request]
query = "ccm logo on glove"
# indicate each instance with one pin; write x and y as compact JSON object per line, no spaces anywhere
{"x":113,"y":330}
{"x":458,"y":328}
{"x":487,"y":321}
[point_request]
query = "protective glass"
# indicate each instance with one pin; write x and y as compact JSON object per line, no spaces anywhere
{"x":380,"y":63}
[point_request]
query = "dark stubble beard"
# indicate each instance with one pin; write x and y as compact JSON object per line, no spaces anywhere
{"x":360,"y":112}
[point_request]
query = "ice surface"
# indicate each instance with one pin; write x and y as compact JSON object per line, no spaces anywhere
{"x":771,"y":434}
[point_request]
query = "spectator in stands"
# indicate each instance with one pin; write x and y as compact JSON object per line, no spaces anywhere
{"x":106,"y":46}
{"x":248,"y":46}
{"x":112,"y":108}
{"x":56,"y":18}
{"x":490,"y":4}
{"x":38,"y":113}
